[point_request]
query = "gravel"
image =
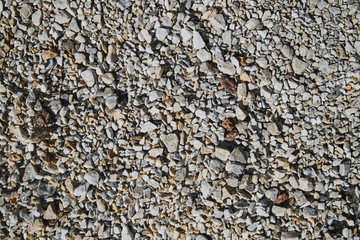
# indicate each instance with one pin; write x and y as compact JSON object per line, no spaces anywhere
{"x":179,"y":119}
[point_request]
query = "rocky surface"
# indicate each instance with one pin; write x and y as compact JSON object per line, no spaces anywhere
{"x":179,"y":119}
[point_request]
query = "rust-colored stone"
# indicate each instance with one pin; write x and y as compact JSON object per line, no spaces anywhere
{"x":228,"y":84}
{"x":228,"y":125}
{"x":281,"y":198}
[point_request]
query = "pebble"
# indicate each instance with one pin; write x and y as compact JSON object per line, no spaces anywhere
{"x":147,"y":127}
{"x":92,"y":177}
{"x":298,"y":66}
{"x":89,"y":77}
{"x":26,"y":11}
{"x":203,"y":55}
{"x":305,"y":184}
{"x":222,"y":153}
{"x":37,"y":17}
{"x":171,"y":142}
{"x":62,"y":17}
{"x":252,"y":23}
{"x":107,"y":78}
{"x":101,"y":205}
{"x":50,"y":213}
{"x":126,"y":233}
{"x":273,"y":129}
{"x":111,"y":101}
{"x":309,"y":212}
{"x":162,"y":33}
{"x":278,"y":211}
{"x":198,"y":42}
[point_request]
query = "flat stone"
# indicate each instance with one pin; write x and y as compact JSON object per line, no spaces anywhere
{"x":236,"y":168}
{"x":238,"y":155}
{"x":162,"y":33}
{"x":145,"y":33}
{"x":44,"y":190}
{"x":240,"y":114}
{"x":101,"y":205}
{"x":147,"y":127}
{"x":287,"y":51}
{"x":108,"y":78}
{"x":252,"y":23}
{"x":216,"y":165}
{"x":74,"y":26}
{"x":273,"y":129}
{"x":155,"y":152}
{"x":92,"y":177}
{"x":79,"y":57}
{"x":344,"y":168}
{"x":198,"y":42}
{"x":222,"y":153}
{"x":217,"y":22}
{"x":49,"y":54}
{"x":299,"y":66}
{"x":226,"y":67}
{"x":89,"y":77}
{"x":171,"y":142}
{"x":300,"y":198}
{"x":278,"y":211}
{"x":50,"y":213}
{"x":26,"y":11}
{"x":126,"y":233}
{"x":30,"y":173}
{"x":61,"y":4}
{"x":305,"y":184}
{"x":309,"y":212}
{"x":185,"y":34}
{"x":62,"y":17}
{"x":203,"y":55}
{"x":81,"y":190}
{"x":111,"y":101}
{"x":36,"y":18}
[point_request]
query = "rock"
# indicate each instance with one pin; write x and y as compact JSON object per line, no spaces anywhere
{"x":222,"y":153}
{"x":238,"y":155}
{"x":50,"y":213}
{"x":299,"y":66}
{"x":81,"y":190}
{"x":89,"y":77}
{"x":108,"y":78}
{"x":79,"y":57}
{"x":147,"y":127}
{"x":26,"y":11}
{"x":228,"y":84}
{"x":185,"y":34}
{"x":180,"y":174}
{"x":344,"y":168}
{"x":252,"y":23}
{"x":278,"y":211}
{"x":171,"y":142}
{"x":155,"y":152}
{"x":36,"y":18}
{"x":272,"y":194}
{"x":201,"y":237}
{"x":290,"y":235}
{"x":309,"y":212}
{"x":236,"y":168}
{"x":30,"y":173}
{"x":111,"y":101}
{"x":217,"y":22}
{"x":19,"y":133}
{"x":216,"y":165}
{"x":300,"y":198}
{"x":73,"y":26}
{"x":242,"y":90}
{"x":92,"y":177}
{"x":49,"y":54}
{"x":126,"y":233}
{"x":200,"y":113}
{"x":61,"y":4}
{"x":198,"y":42}
{"x":161,"y":33}
{"x":273,"y":129}
{"x":101,"y":205}
{"x":227,"y":38}
{"x":287,"y":51}
{"x":226,"y":67}
{"x":240,"y":114}
{"x":44,"y":190}
{"x":305,"y":184}
{"x":203,"y":55}
{"x":62,"y":17}
{"x":1,"y":7}
{"x":111,"y":56}
{"x":145,"y":33}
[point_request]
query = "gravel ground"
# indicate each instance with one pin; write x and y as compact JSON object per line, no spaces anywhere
{"x":179,"y":119}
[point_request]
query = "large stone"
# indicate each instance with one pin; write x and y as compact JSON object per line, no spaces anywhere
{"x":92,"y":177}
{"x":198,"y":42}
{"x":89,"y":77}
{"x":171,"y":142}
{"x":299,"y":66}
{"x":222,"y":153}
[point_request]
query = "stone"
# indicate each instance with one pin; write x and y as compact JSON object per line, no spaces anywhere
{"x":81,"y":190}
{"x":50,"y":213}
{"x":236,"y":168}
{"x":201,"y":237}
{"x":272,"y":194}
{"x":309,"y":212}
{"x":287,"y":51}
{"x":49,"y":54}
{"x":217,"y":22}
{"x":180,"y":174}
{"x":101,"y":205}
{"x":305,"y":184}
{"x":147,"y":127}
{"x":344,"y":168}
{"x":203,"y":55}
{"x":240,"y":114}
{"x":198,"y":42}
{"x":298,"y":66}
{"x":300,"y":198}
{"x":61,"y":4}
{"x":278,"y":211}
{"x":162,"y":33}
{"x":185,"y":34}
{"x":252,"y":23}
{"x":226,"y":67}
{"x":73,"y":26}
{"x":62,"y":17}
{"x":111,"y":56}
{"x":145,"y":33}
{"x":36,"y":18}
{"x":273,"y":129}
{"x":108,"y":78}
{"x":89,"y":77}
{"x":155,"y":152}
{"x":227,"y":38}
{"x":92,"y":177}
{"x":79,"y":57}
{"x":222,"y":153}
{"x":238,"y":155}
{"x":44,"y":190}
{"x":126,"y":233}
{"x":19,"y":133}
{"x":26,"y":11}
{"x":171,"y":142}
{"x":292,"y":235}
{"x":30,"y":173}
{"x":111,"y":101}
{"x":216,"y":165}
